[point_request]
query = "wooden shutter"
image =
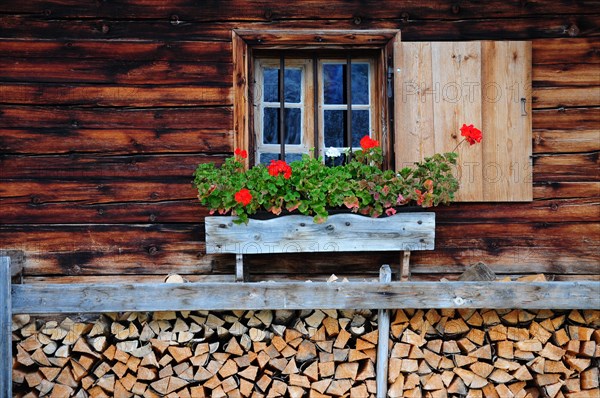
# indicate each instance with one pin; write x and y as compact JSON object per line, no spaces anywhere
{"x":484,"y":83}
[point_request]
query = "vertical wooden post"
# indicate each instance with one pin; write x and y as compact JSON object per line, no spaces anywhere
{"x":383,"y":318}
{"x":5,"y":328}
{"x":405,"y":266}
{"x":240,"y":276}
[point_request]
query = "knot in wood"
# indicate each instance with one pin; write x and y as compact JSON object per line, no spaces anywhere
{"x":573,"y":30}
{"x":36,"y":200}
{"x":330,"y":228}
{"x":268,"y":13}
{"x":455,"y":8}
{"x":404,"y":17}
{"x":174,"y":20}
{"x":152,"y":250}
{"x":105,"y":28}
{"x":357,"y":20}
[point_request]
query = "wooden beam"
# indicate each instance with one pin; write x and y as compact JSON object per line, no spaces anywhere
{"x":5,"y":328}
{"x":73,"y":298}
{"x":383,"y":316}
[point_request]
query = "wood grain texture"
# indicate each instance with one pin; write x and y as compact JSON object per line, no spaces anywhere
{"x":414,"y":28}
{"x":183,"y":10}
{"x":113,"y":96}
{"x":115,"y":118}
{"x":456,"y":101}
{"x":301,"y":295}
{"x":6,"y":362}
{"x":117,"y":141}
{"x":506,"y":119}
{"x":339,"y":233}
{"x":200,"y":52}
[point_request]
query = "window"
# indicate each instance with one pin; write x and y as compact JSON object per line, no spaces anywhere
{"x":419,"y":94}
{"x":317,"y":112}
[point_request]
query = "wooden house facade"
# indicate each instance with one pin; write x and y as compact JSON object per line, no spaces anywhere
{"x":107,"y":107}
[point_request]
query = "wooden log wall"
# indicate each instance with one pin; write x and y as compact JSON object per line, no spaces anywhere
{"x":107,"y":107}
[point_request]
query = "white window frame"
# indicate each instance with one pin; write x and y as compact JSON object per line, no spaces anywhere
{"x":306,"y":104}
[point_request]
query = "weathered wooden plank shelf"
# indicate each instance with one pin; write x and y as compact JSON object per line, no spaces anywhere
{"x":403,"y":232}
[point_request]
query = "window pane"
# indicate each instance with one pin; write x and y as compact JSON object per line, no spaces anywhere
{"x":360,"y":84}
{"x":334,"y":124}
{"x":266,"y":158}
{"x":333,"y":84}
{"x":271,"y":82}
{"x":293,"y":84}
{"x":360,"y":126}
{"x":271,"y":126}
{"x":293,"y":131}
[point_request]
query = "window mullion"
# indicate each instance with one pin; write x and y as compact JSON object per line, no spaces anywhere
{"x":349,"y":102}
{"x":282,"y":106}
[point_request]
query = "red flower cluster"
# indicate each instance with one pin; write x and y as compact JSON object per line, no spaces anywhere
{"x":280,"y":167}
{"x":471,"y":134}
{"x":243,"y":197}
{"x":241,"y":153}
{"x":367,"y":142}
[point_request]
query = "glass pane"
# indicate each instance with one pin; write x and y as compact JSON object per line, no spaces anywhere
{"x":271,"y":126}
{"x":293,"y":130}
{"x":360,"y":84}
{"x":266,"y":158}
{"x":293,"y":84}
{"x":334,"y":124}
{"x":333,"y":84}
{"x":360,"y":126}
{"x":271,"y":82}
{"x":335,"y":161}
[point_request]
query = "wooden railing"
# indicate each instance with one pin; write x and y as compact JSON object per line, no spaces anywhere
{"x":383,"y":295}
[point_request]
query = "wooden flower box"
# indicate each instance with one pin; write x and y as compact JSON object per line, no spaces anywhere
{"x":403,"y":232}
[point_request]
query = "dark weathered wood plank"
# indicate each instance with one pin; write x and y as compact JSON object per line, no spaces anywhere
{"x":566,"y":119}
{"x":302,"y":295}
{"x":571,"y":74}
{"x":197,"y":51}
{"x":340,"y":233}
{"x":87,"y":166}
{"x":114,"y":95}
{"x":115,"y":141}
{"x":5,"y":327}
{"x":240,"y":10}
{"x":555,"y":97}
{"x":566,"y":141}
{"x":51,"y":70}
{"x":566,"y":167}
{"x":116,"y":118}
{"x":566,"y":50}
{"x":415,"y":28}
{"x":565,"y":190}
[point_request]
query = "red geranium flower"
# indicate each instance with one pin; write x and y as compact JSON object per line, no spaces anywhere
{"x":367,"y":142}
{"x":241,"y":153}
{"x":471,"y":134}
{"x":280,"y":167}
{"x":243,"y":197}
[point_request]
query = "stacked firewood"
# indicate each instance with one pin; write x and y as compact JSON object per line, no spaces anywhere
{"x":198,"y":354}
{"x":494,"y":353}
{"x":433,"y":353}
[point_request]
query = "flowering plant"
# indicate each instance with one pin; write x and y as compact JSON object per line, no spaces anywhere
{"x":310,"y":187}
